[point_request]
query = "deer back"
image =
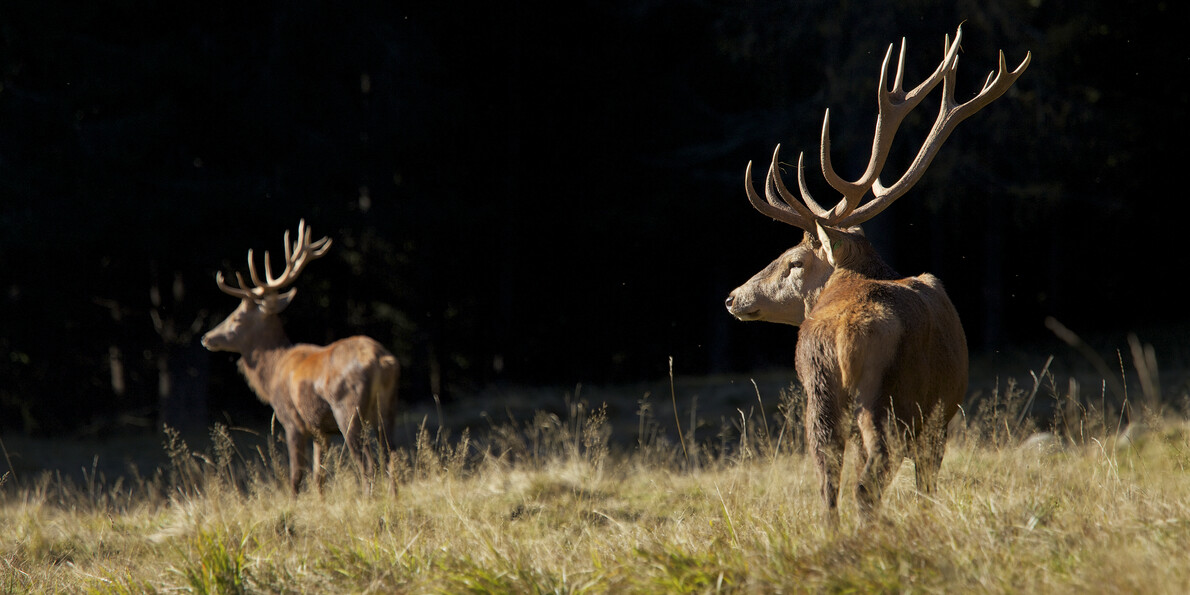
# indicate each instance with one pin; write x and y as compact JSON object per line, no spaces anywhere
{"x":313,"y":382}
{"x":887,"y":342}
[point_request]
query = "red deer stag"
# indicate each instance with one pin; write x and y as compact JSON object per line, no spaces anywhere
{"x":314,"y":390}
{"x":889,"y":349}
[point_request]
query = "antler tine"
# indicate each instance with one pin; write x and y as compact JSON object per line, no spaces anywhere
{"x":779,"y":196}
{"x":819,"y":211}
{"x":268,"y":269}
{"x":950,"y":115}
{"x":893,"y":106}
{"x":303,"y":252}
{"x":900,"y":69}
{"x":288,"y":258}
{"x":303,"y":243}
{"x":252,"y":269}
{"x":828,"y":170}
{"x":772,"y":205}
{"x":297,"y":255}
{"x":302,"y":238}
{"x":776,"y":182}
{"x":238,"y":292}
{"x":993,"y":88}
{"x":244,"y":286}
{"x":270,"y":284}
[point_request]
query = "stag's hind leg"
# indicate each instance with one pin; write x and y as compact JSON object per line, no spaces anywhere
{"x":876,"y":472}
{"x":320,"y":446}
{"x":926,"y":463}
{"x":929,"y":447}
{"x":351,"y":424}
{"x":384,"y":394}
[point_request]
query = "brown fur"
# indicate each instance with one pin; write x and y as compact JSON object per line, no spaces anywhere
{"x":893,"y":351}
{"x":888,"y":351}
{"x":313,"y":390}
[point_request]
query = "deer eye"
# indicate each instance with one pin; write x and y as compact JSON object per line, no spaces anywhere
{"x":796,"y":264}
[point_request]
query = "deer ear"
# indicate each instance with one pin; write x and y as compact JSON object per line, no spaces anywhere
{"x":276,"y":303}
{"x":829,"y":244}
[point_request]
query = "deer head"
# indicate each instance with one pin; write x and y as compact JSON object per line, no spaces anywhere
{"x":255,"y":320}
{"x":785,"y":289}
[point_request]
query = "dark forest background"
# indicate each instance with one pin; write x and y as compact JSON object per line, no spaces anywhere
{"x":541,"y":193}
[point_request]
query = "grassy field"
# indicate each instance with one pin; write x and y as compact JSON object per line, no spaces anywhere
{"x":578,"y":502}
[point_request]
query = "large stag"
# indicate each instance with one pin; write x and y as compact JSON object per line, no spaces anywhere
{"x":889,"y":349}
{"x":314,"y":390}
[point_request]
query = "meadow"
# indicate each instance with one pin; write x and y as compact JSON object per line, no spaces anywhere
{"x":644,"y":494}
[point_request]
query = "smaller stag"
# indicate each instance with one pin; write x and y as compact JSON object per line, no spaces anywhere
{"x":889,"y":349}
{"x":313,"y":390}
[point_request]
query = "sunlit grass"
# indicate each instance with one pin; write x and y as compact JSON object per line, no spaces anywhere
{"x":549,"y":504}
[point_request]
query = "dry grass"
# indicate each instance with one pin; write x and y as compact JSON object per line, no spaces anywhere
{"x":549,"y":504}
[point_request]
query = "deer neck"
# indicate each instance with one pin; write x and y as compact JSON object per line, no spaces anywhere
{"x":867,"y":265}
{"x":260,"y":363}
{"x":846,"y":275}
{"x":811,"y":299}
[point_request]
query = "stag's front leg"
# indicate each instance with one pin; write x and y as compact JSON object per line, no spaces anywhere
{"x":826,"y":436}
{"x":298,"y":443}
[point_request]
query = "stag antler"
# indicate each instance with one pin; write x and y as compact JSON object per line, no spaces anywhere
{"x":894,"y":105}
{"x":296,"y":259}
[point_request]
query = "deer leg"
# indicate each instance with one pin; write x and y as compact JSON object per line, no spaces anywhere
{"x":352,"y":426}
{"x":928,"y":441}
{"x":876,"y":471}
{"x":931,"y":445}
{"x":826,"y":441}
{"x":320,"y":446}
{"x":297,"y":443}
